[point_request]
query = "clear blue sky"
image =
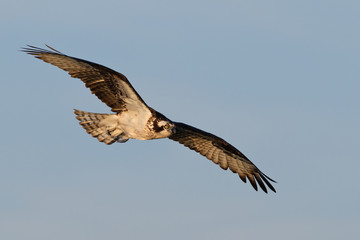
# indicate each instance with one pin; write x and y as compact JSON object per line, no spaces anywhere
{"x":279,"y":80}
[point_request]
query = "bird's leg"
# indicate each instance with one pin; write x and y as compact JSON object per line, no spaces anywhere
{"x":118,"y":135}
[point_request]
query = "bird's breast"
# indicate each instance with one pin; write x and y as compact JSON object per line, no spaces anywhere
{"x":135,"y":125}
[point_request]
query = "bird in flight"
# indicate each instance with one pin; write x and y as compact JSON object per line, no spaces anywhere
{"x":133,"y":118}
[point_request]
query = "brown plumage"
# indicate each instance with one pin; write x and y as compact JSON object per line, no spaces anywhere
{"x":134,"y":119}
{"x":221,"y":153}
{"x":109,"y":86}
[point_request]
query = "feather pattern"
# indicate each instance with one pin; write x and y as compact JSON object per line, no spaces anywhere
{"x":221,"y":153}
{"x":109,"y":86}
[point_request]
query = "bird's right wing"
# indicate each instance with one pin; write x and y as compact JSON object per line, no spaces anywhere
{"x":109,"y":86}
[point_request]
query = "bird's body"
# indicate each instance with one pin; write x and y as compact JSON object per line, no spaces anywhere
{"x":122,"y":126}
{"x":132,"y":117}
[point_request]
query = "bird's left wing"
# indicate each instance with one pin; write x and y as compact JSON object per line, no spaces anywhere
{"x":109,"y":86}
{"x":221,"y":153}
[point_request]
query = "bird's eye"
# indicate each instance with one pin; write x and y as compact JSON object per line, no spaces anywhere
{"x":167,"y":126}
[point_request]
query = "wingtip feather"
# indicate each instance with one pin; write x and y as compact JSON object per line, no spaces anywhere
{"x":265,"y":179}
{"x":260,"y":182}
{"x":252,"y":181}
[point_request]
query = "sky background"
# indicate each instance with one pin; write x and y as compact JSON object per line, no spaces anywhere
{"x":279,"y":80}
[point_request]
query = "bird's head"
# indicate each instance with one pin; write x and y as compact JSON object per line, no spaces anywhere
{"x":163,"y":126}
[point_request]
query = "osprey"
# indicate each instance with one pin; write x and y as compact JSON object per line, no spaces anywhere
{"x":133,"y":118}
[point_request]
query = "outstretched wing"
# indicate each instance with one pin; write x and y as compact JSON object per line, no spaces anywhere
{"x":221,"y":153}
{"x":109,"y":86}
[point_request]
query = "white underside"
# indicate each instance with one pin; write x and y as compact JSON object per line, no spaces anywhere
{"x":132,"y":123}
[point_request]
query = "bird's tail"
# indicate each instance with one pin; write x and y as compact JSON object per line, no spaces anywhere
{"x":102,"y":126}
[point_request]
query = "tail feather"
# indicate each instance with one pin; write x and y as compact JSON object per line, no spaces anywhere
{"x":102,"y":126}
